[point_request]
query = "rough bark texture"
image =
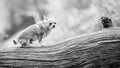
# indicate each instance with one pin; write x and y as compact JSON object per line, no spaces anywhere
{"x":96,"y":50}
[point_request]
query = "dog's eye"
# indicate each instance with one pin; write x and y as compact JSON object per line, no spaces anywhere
{"x":50,"y":23}
{"x":102,"y":18}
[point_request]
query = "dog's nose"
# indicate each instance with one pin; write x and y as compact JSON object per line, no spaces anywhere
{"x":53,"y":26}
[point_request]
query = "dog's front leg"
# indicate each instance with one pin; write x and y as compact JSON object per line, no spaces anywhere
{"x":40,"y":37}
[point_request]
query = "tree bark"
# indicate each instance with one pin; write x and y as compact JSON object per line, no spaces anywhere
{"x":96,"y":50}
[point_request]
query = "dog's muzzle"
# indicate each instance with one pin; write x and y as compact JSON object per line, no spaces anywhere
{"x":53,"y":26}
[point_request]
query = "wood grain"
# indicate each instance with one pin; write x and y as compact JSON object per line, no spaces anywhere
{"x":96,"y":50}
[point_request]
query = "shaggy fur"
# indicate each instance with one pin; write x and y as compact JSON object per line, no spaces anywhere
{"x":107,"y":22}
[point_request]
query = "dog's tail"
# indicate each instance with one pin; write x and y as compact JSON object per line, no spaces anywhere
{"x":14,"y":42}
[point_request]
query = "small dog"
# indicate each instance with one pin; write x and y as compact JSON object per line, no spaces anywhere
{"x":35,"y":32}
{"x":107,"y":22}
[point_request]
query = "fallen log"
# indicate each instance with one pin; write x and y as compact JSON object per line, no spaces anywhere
{"x":96,"y":50}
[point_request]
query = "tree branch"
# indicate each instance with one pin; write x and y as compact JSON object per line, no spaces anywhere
{"x":100,"y":49}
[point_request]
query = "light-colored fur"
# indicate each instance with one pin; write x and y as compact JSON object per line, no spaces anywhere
{"x":35,"y":32}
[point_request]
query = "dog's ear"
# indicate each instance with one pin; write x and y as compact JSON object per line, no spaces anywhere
{"x":53,"y":19}
{"x":44,"y":17}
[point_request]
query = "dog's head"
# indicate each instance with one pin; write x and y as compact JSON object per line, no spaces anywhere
{"x":49,"y":22}
{"x":105,"y":20}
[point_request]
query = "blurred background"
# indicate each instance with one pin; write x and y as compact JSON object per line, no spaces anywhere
{"x":74,"y":17}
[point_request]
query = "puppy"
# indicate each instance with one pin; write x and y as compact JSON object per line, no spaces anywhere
{"x":106,"y":22}
{"x":35,"y":32}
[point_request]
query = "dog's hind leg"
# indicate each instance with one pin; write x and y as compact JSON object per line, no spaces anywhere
{"x":14,"y":42}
